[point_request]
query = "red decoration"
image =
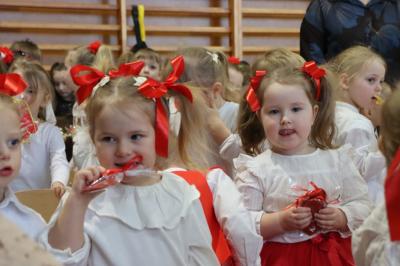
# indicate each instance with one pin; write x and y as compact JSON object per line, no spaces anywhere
{"x":316,"y":73}
{"x":86,"y":82}
{"x":234,"y":60}
{"x":94,"y":47}
{"x":12,"y":84}
{"x":251,"y":95}
{"x":6,"y":55}
{"x":392,"y":197}
{"x":128,"y":69}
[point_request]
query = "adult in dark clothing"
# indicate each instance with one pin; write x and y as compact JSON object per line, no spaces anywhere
{"x":331,"y":26}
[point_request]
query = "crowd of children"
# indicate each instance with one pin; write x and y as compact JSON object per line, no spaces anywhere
{"x":201,"y":158}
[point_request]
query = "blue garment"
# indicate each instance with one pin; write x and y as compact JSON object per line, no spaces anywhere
{"x":331,"y":26}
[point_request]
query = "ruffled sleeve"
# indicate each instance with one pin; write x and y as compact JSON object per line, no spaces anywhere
{"x":238,"y":224}
{"x":231,"y":147}
{"x":354,"y":200}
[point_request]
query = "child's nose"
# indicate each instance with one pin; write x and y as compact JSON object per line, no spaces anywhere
{"x":123,"y":149}
{"x":285,"y":119}
{"x":4,"y":153}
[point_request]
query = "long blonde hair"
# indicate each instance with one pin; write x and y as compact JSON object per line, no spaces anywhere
{"x":391,"y":126}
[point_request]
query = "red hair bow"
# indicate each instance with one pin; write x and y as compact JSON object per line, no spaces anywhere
{"x":316,"y":73}
{"x":234,"y":60}
{"x":94,"y":47}
{"x":12,"y":84}
{"x":153,"y":89}
{"x":251,"y":96}
{"x":392,"y":197}
{"x":6,"y":55}
{"x":88,"y":81}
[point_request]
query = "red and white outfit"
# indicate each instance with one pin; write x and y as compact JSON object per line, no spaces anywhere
{"x":270,"y":182}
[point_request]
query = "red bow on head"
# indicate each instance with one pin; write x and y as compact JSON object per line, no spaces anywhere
{"x":251,"y":96}
{"x":392,"y":197}
{"x":153,"y":89}
{"x":6,"y":55}
{"x":88,"y":81}
{"x":234,"y":60}
{"x":316,"y":73}
{"x":94,"y":47}
{"x":12,"y":84}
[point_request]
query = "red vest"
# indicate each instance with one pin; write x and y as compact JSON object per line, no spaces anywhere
{"x":219,"y":242}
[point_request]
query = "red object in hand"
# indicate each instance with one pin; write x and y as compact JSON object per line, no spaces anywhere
{"x":112,"y":176}
{"x":315,"y":200}
{"x":28,"y":126}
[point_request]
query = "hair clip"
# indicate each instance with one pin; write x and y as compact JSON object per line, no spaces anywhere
{"x":94,"y":47}
{"x":153,"y":89}
{"x":311,"y":69}
{"x":251,"y":95}
{"x":214,"y":56}
{"x":6,"y":55}
{"x":234,"y":60}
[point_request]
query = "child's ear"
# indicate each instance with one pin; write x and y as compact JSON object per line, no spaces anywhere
{"x":344,"y":81}
{"x":217,"y":89}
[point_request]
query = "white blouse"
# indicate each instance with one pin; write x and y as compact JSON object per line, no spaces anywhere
{"x":159,"y":224}
{"x":29,"y":221}
{"x":371,"y":243}
{"x":43,"y":160}
{"x":229,"y":113}
{"x":270,"y":182}
{"x":355,"y":129}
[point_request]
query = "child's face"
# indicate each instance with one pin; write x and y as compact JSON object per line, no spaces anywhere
{"x":287,"y":117}
{"x":10,"y":146}
{"x":366,"y":84}
{"x":121,"y":133}
{"x":151,"y":69}
{"x":236,"y":78}
{"x":61,"y":86}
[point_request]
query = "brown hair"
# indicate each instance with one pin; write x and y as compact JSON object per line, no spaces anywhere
{"x":277,"y":58}
{"x":147,"y":53}
{"x":122,"y":92}
{"x":26,"y":49}
{"x":36,"y":77}
{"x":391,"y":126}
{"x":322,"y":132}
{"x":125,"y":58}
{"x":103,"y":60}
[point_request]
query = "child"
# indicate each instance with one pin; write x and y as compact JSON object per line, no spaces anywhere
{"x":44,"y":164}
{"x":152,"y":62}
{"x":360,"y":74}
{"x":375,"y":242}
{"x":149,"y":219}
{"x":27,"y":50}
{"x":239,"y":73}
{"x":10,"y":161}
{"x":295,"y":113}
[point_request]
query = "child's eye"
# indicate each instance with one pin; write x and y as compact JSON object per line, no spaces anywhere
{"x":296,"y":109}
{"x":273,"y":112}
{"x":371,"y":80}
{"x":108,"y":139}
{"x":152,"y":67}
{"x":13,"y":143}
{"x":136,"y":137}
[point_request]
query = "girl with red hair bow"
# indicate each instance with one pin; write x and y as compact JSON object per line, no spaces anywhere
{"x":149,"y":216}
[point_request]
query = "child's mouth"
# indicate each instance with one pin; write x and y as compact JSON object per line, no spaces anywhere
{"x":286,"y":132}
{"x":6,"y":171}
{"x":378,"y":99}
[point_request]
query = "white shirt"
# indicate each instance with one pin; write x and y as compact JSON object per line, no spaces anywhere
{"x":235,"y":220}
{"x":271,"y":182}
{"x":29,"y":221}
{"x":43,"y":160}
{"x":229,"y":113}
{"x":159,"y":224}
{"x":371,"y":243}
{"x":355,"y":129}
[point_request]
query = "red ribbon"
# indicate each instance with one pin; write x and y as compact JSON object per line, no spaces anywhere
{"x":12,"y":84}
{"x":234,"y":60}
{"x":392,"y":197}
{"x":86,"y":82}
{"x":94,"y":47}
{"x":251,"y":96}
{"x":128,"y":69}
{"x":316,"y":193}
{"x":6,"y":55}
{"x":153,"y":89}
{"x":316,"y":73}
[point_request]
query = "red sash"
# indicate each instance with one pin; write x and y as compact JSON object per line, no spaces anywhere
{"x":219,"y":242}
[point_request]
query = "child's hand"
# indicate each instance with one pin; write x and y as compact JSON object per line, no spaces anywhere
{"x":58,"y":189}
{"x":331,"y":219}
{"x":295,"y":218}
{"x":82,"y":178}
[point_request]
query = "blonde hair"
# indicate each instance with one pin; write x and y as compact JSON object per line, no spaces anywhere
{"x":391,"y":126}
{"x":7,"y":102}
{"x":103,"y":60}
{"x":125,"y":58}
{"x":121,"y":92}
{"x":203,"y":68}
{"x":352,"y":60}
{"x":149,"y":54}
{"x":37,"y":78}
{"x":26,"y":49}
{"x":277,"y":58}
{"x":322,"y":132}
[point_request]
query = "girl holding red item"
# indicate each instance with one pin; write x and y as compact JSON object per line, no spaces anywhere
{"x":293,"y":109}
{"x":151,"y":218}
{"x":376,"y":242}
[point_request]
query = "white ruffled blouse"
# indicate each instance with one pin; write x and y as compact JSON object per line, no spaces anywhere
{"x":271,"y":182}
{"x":159,"y":224}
